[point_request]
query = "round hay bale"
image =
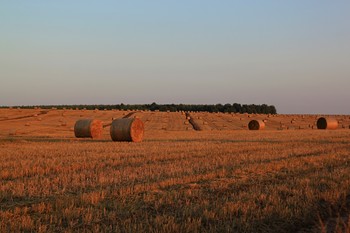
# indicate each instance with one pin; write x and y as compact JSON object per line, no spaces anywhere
{"x":88,"y":128}
{"x":13,"y":132}
{"x":327,"y":123}
{"x":256,"y":125}
{"x":127,"y":129}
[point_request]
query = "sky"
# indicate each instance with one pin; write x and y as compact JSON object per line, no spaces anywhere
{"x":292,"y":54}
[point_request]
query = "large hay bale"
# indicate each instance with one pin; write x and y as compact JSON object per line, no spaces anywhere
{"x":256,"y":125}
{"x":127,"y":129}
{"x":88,"y":128}
{"x":327,"y":123}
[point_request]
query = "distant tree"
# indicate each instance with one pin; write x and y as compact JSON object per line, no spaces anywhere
{"x":245,"y":108}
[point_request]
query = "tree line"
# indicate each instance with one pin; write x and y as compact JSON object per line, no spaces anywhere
{"x":227,"y":108}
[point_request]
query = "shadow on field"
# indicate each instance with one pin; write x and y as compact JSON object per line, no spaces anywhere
{"x":48,"y":139}
{"x":214,"y":140}
{"x":88,"y":140}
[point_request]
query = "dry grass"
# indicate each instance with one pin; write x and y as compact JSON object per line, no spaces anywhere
{"x":174,"y":181}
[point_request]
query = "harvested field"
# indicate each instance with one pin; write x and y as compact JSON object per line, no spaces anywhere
{"x":222,"y":179}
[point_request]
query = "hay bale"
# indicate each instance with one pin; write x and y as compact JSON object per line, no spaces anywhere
{"x":13,"y":132}
{"x":88,"y":128}
{"x":127,"y":129}
{"x":327,"y":123}
{"x":256,"y":125}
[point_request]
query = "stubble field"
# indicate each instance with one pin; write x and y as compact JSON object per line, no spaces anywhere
{"x":289,"y":177}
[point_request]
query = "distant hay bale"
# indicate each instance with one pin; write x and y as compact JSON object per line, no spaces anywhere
{"x":127,"y":129}
{"x":13,"y":132}
{"x":88,"y":128}
{"x":327,"y":123}
{"x":256,"y":125}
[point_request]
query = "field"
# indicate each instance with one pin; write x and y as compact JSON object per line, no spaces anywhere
{"x":289,"y":177}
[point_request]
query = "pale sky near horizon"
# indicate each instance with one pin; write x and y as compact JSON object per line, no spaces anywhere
{"x":291,"y":54}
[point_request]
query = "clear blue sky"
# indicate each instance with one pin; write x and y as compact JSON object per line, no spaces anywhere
{"x":293,"y":54}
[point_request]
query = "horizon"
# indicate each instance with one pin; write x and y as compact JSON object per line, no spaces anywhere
{"x":161,"y":104}
{"x":292,"y":55}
